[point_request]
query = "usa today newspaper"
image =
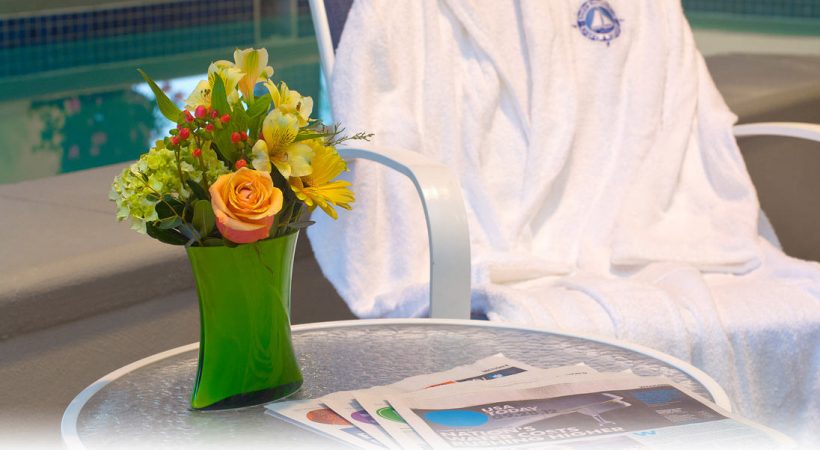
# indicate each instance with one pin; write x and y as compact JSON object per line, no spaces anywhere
{"x":593,"y":411}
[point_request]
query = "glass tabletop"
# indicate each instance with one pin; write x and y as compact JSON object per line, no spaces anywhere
{"x":147,"y":405}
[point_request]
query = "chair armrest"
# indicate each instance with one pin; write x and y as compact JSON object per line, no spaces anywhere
{"x":447,"y":229}
{"x":807,"y":131}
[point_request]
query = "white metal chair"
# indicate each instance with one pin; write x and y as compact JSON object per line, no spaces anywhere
{"x":438,"y":189}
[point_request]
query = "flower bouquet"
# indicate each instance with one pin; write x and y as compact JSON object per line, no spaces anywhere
{"x":231,"y":183}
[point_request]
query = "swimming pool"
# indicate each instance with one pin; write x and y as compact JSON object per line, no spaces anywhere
{"x":70,"y":97}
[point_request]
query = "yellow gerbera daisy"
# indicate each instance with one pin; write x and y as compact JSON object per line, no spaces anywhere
{"x":318,"y":188}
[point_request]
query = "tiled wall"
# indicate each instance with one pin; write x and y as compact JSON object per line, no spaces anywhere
{"x":71,"y":26}
{"x":805,"y":9}
{"x":44,"y":41}
{"x":48,"y":41}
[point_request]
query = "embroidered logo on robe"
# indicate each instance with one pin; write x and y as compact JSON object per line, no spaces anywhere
{"x":597,"y":21}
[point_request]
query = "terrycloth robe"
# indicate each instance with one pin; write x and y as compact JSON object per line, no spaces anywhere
{"x":605,"y":191}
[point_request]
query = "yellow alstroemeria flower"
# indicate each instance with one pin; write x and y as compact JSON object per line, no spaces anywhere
{"x":318,"y":188}
{"x":254,"y":65}
{"x":277,"y":146}
{"x":230,"y":75}
{"x":201,"y":94}
{"x":290,"y":102}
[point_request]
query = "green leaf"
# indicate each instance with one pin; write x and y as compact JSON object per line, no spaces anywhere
{"x":219,"y":99}
{"x":224,"y":146}
{"x":169,"y":223}
{"x":306,"y":136}
{"x":239,"y":119}
{"x":189,"y":232}
{"x":166,"y":106}
{"x":260,"y":106}
{"x":280,"y":182}
{"x":275,"y":225}
{"x":172,"y":237}
{"x":169,"y":207}
{"x":198,"y":190}
{"x":255,"y":125}
{"x":204,"y":219}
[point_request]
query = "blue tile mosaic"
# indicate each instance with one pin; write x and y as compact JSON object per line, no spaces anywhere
{"x":54,"y":41}
{"x":803,"y":9}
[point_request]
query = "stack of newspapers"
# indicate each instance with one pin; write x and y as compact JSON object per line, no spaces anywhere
{"x":497,"y":402}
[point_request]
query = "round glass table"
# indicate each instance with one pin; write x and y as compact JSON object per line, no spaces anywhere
{"x":146,"y":404}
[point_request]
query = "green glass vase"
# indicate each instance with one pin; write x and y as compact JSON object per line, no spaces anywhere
{"x":245,"y":352}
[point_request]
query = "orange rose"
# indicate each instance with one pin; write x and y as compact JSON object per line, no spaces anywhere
{"x":244,"y":204}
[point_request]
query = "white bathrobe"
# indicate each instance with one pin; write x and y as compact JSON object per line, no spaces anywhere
{"x":604,"y":189}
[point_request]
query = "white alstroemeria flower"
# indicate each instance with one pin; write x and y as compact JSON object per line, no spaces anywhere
{"x":200,"y":96}
{"x":254,"y":65}
{"x":230,"y":75}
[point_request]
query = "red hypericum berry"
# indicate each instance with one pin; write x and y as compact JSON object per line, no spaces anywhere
{"x":214,"y":113}
{"x":225,"y":118}
{"x":184,"y":133}
{"x":200,"y":112}
{"x":235,"y":137}
{"x":240,"y":164}
{"x":180,"y":126}
{"x":188,"y":116}
{"x":243,"y":135}
{"x":175,"y":140}
{"x":197,"y":152}
{"x":209,"y":128}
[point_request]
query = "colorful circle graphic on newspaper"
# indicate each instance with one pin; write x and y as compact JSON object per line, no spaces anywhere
{"x":390,"y":414}
{"x":326,"y":417}
{"x":364,"y":417}
{"x":456,"y":418}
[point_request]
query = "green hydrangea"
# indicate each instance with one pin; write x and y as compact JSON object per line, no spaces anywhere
{"x":139,"y":188}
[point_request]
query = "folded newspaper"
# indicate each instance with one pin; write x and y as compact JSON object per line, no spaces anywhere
{"x":500,"y":403}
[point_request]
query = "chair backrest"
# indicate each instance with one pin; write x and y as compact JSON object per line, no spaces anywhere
{"x":329,"y":17}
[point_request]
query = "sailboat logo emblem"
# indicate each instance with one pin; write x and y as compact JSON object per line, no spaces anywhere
{"x":597,"y":21}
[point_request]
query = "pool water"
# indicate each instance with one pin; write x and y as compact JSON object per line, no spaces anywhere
{"x":44,"y":137}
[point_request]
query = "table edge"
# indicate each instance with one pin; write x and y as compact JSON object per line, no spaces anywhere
{"x":68,"y":424}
